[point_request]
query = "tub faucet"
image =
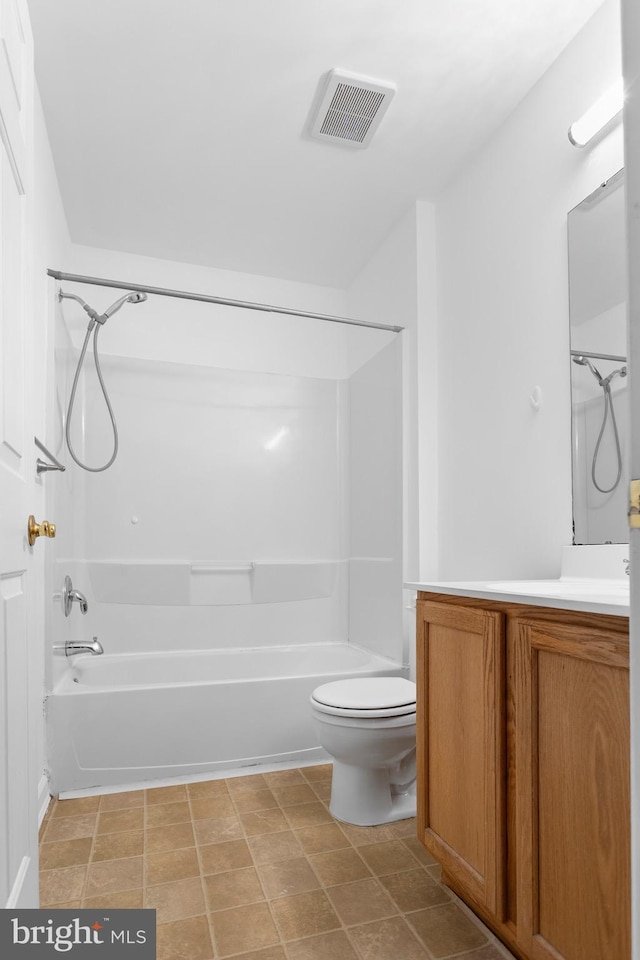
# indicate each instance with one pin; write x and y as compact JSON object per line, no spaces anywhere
{"x":94,"y":647}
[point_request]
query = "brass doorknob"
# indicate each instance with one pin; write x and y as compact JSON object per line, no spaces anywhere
{"x":35,"y":530}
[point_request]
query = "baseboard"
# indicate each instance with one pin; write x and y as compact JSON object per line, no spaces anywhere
{"x":43,"y":798}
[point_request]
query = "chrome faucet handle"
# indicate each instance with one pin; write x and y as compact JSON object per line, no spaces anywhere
{"x":69,"y":595}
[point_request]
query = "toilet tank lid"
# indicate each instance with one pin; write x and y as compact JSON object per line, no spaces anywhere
{"x":367,"y":693}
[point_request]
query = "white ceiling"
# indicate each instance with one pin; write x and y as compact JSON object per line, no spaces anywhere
{"x":178,"y":128}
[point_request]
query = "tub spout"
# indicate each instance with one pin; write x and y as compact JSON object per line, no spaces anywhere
{"x":94,"y":647}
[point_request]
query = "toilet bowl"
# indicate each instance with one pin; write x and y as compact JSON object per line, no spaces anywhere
{"x":368,"y":726}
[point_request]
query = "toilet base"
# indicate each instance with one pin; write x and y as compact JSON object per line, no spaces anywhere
{"x":365,"y":797}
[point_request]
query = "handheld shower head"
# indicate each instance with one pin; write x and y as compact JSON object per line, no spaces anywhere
{"x":585,"y":362}
{"x":135,"y":297}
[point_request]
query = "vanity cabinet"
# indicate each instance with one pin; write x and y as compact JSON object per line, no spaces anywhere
{"x":523,"y":770}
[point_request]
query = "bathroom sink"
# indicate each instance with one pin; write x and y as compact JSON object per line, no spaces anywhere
{"x":617,"y":590}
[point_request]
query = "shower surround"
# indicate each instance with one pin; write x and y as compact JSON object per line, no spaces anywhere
{"x":248,"y":513}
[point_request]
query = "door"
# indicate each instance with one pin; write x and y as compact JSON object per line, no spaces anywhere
{"x":631,"y":68}
{"x":460,"y":746}
{"x":18,"y":647}
{"x":572,"y":791}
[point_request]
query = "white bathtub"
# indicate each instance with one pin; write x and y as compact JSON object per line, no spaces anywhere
{"x":118,"y":719}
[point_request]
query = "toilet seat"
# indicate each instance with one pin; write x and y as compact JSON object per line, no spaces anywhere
{"x":373,"y":697}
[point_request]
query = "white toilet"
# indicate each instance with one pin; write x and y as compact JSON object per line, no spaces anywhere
{"x":368,"y":725}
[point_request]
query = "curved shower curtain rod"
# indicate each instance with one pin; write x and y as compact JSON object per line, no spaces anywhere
{"x":223,"y":301}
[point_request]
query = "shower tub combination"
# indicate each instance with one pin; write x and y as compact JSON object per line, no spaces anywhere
{"x":115,"y":720}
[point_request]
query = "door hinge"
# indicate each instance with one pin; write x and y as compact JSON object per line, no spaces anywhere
{"x":634,"y":504}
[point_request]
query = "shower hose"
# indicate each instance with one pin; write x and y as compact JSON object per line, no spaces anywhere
{"x":608,"y":408}
{"x":95,"y":326}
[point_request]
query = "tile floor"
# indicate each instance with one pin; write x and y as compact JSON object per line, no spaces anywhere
{"x":255,"y":868}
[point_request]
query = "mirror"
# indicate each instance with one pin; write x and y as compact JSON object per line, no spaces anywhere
{"x":597,"y":313}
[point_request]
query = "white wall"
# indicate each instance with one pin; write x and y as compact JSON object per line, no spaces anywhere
{"x":503,"y":328}
{"x":375,"y":503}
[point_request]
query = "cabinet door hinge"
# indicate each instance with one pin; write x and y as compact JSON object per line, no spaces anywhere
{"x":634,"y":504}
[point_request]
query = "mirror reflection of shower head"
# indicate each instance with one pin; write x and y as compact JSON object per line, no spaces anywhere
{"x":585,"y":362}
{"x":134,"y":297}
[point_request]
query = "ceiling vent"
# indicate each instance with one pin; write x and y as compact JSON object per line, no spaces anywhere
{"x":351,"y":109}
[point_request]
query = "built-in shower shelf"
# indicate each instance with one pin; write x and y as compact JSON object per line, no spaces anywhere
{"x":210,"y":584}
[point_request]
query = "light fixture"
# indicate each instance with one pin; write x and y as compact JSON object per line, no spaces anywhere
{"x":603,"y":111}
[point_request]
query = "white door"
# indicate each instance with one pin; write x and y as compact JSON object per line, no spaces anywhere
{"x":18,"y":646}
{"x":631,"y":66}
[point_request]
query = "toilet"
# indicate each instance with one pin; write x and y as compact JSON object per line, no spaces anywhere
{"x":368,"y":725}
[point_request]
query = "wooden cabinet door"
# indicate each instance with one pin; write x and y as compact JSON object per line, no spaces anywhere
{"x":572,"y":792}
{"x":460,"y":743}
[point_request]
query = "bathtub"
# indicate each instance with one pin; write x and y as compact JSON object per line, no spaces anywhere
{"x":120,"y":719}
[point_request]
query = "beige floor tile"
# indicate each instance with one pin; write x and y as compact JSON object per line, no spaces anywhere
{"x":121,"y":821}
{"x":287,"y":877}
{"x":173,"y":837}
{"x":171,"y":865}
{"x":322,"y":838}
{"x":71,"y":828}
{"x":322,"y":772}
{"x":73,"y":808}
{"x":489,"y":952}
{"x":282,"y":778}
{"x":121,"y":801}
{"x":114,"y":846}
{"x":295,"y":793}
{"x":308,"y":814}
{"x":69,"y":905}
{"x":184,"y":940}
{"x":207,"y":788}
{"x":389,"y":857}
{"x":64,"y":853}
{"x":254,"y":781}
{"x":251,"y":800}
{"x":419,"y":851}
{"x":263,"y":821}
{"x":327,"y":946}
{"x":128,"y":900}
{"x":163,"y":814}
{"x":339,"y":866}
{"x":359,"y":836}
{"x":222,"y":857}
{"x":387,"y":940}
{"x":63,"y":883}
{"x":267,"y":953}
{"x":271,"y":847}
{"x":414,"y":890}
{"x":243,"y":928}
{"x":177,"y":900}
{"x":361,"y":902}
{"x":114,"y":876}
{"x":322,"y":789}
{"x":233,"y":889}
{"x":215,"y":831}
{"x":446,"y":930}
{"x":210,"y":808}
{"x":435,"y":871}
{"x":172,"y":794}
{"x":304,"y":915}
{"x":405,"y":828}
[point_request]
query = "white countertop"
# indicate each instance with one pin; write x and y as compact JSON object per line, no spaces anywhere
{"x":587,"y":594}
